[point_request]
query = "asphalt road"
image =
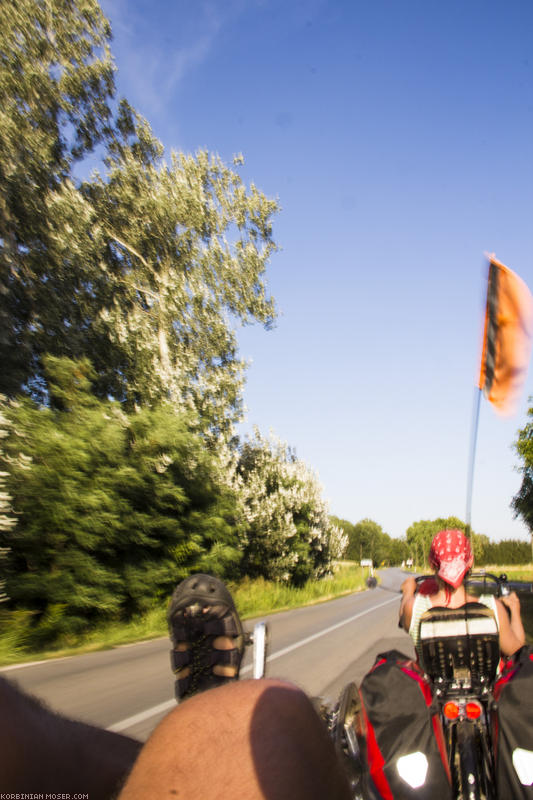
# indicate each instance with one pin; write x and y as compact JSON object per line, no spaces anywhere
{"x":320,"y":648}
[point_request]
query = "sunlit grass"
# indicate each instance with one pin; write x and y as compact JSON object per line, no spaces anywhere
{"x":523,"y":572}
{"x":149,"y":626}
{"x":257,"y":597}
{"x":252,"y":597}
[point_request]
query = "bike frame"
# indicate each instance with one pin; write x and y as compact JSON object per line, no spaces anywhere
{"x":469,"y":740}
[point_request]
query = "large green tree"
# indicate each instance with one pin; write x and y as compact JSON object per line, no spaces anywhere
{"x":146,"y":268}
{"x":56,"y":81}
{"x":184,"y":246}
{"x":420,"y":534}
{"x":396,"y":551}
{"x":366,"y":540}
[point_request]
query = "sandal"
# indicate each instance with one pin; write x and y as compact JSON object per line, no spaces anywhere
{"x":206,"y":634}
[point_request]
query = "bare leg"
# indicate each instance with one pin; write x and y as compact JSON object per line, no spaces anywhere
{"x":41,"y":751}
{"x":252,"y":739}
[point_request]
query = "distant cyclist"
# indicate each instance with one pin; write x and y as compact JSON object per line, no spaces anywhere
{"x":451,"y":558}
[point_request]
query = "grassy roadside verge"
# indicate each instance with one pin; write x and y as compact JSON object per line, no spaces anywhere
{"x":522,"y":573}
{"x":258,"y":597}
{"x":252,"y":597}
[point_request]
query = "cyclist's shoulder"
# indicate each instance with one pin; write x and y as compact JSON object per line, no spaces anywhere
{"x":428,"y":587}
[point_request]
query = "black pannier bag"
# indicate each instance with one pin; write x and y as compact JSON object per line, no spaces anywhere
{"x":400,"y":733}
{"x":513,"y":727}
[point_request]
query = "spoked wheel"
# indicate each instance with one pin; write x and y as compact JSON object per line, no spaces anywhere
{"x":487,"y":766}
{"x":346,"y":742}
{"x":474,"y":773}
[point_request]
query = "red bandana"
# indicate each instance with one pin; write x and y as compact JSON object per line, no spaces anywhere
{"x":451,"y":556}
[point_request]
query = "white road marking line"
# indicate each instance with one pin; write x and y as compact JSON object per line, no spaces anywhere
{"x":34,"y":663}
{"x":150,"y":712}
{"x":303,"y":642}
{"x":166,"y":706}
{"x":144,"y":641}
{"x":64,"y":658}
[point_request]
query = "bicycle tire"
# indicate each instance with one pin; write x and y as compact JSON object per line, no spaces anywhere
{"x":473,"y":773}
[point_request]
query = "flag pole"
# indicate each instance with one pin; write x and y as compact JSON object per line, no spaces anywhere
{"x":472,"y":459}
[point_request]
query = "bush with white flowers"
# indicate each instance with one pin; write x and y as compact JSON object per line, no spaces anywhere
{"x":285,"y":528}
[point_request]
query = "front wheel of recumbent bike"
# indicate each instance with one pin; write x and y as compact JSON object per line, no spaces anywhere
{"x":344,"y":732}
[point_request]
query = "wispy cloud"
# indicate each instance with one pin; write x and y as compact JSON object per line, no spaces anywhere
{"x":158,"y":47}
{"x":156,"y":51}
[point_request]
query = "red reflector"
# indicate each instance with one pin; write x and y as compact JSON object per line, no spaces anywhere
{"x":473,"y":711}
{"x":451,"y":710}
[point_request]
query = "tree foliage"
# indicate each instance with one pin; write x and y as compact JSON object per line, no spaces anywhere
{"x":119,"y":299}
{"x":508,"y":551}
{"x":368,"y":540}
{"x":505,"y":553}
{"x":56,"y":81}
{"x":286,"y":532}
{"x":522,"y":502}
{"x":184,"y":248}
{"x":420,"y":534}
{"x":397,"y":551}
{"x":351,"y":551}
{"x":7,"y":520}
{"x":145,"y":269}
{"x":112,"y":509}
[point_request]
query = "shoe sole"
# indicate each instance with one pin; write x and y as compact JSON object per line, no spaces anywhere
{"x":200,"y":610}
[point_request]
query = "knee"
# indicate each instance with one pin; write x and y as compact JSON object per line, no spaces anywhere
{"x":256,"y":714}
{"x":254,"y":738}
{"x":234,"y":705}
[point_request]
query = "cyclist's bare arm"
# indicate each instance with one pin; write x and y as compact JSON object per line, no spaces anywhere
{"x":512,"y":635}
{"x":408,"y":589}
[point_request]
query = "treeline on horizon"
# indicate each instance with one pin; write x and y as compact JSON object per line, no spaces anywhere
{"x":121,"y":384}
{"x":367,"y":540}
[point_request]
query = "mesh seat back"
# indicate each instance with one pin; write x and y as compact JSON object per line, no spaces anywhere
{"x":460,"y":645}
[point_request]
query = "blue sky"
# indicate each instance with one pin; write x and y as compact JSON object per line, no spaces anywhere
{"x":398,"y":138}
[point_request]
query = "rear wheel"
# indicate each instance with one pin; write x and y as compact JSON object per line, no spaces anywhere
{"x":474,"y":772}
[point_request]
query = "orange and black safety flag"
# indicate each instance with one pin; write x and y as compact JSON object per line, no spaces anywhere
{"x":506,"y":338}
